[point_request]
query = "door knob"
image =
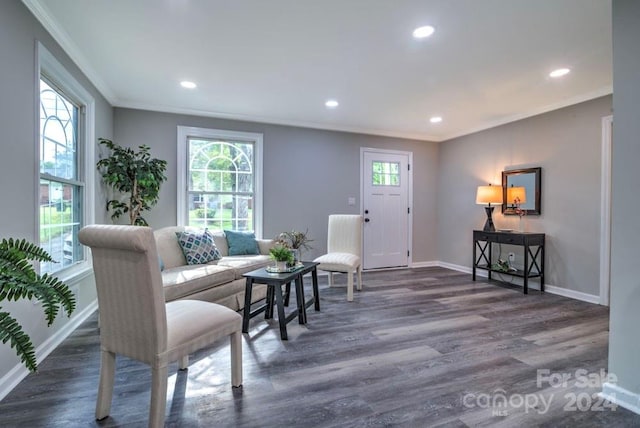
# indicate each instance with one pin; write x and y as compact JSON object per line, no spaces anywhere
{"x":366,"y":220}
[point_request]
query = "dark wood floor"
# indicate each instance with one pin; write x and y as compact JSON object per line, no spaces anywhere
{"x":418,"y":347}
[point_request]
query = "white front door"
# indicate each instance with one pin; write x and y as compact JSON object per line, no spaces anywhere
{"x":386,"y":208}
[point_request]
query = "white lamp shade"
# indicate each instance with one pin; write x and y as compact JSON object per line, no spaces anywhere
{"x":489,"y":195}
{"x":516,"y":192}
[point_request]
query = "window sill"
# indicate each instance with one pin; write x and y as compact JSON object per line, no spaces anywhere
{"x":75,"y":274}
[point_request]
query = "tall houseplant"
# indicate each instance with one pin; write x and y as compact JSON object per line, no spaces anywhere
{"x":135,"y":174}
{"x":19,"y":280}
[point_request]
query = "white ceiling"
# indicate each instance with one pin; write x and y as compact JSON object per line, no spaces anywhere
{"x":278,"y":61}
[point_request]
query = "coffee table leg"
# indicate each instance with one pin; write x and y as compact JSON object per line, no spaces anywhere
{"x":316,"y":295}
{"x":302,"y":308}
{"x":287,"y":293}
{"x":281,"y":318}
{"x":247,"y":305}
{"x":268,"y":312}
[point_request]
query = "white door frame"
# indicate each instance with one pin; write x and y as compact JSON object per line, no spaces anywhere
{"x":409,"y":191}
{"x":605,"y":211}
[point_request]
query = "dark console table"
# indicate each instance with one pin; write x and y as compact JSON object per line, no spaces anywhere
{"x":533,"y":261}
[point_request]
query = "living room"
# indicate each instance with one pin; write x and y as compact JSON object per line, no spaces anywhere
{"x":566,"y":142}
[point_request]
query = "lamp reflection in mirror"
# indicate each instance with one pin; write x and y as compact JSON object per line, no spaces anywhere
{"x":489,"y":195}
{"x":518,"y":194}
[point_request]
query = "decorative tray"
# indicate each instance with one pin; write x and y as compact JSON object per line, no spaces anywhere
{"x":274,"y":269}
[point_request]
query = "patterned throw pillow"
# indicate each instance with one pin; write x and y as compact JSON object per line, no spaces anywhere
{"x":198,"y":246}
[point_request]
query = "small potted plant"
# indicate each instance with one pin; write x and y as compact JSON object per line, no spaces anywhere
{"x":282,"y":256}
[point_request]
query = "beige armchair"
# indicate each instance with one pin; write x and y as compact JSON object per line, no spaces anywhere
{"x":344,"y":249}
{"x":136,"y":322}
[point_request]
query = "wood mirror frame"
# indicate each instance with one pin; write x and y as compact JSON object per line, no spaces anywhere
{"x":530,"y":178}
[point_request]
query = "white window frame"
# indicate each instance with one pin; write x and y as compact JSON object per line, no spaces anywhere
{"x":186,"y":132}
{"x":46,"y":63}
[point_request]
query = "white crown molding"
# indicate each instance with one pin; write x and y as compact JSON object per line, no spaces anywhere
{"x":43,"y":14}
{"x":276,"y":121}
{"x":607,"y":90}
{"x":40,"y":9}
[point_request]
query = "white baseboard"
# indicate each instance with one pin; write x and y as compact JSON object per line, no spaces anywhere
{"x":552,"y":289}
{"x":572,"y":294}
{"x":424,"y":264}
{"x":19,"y":372}
{"x":620,"y":396}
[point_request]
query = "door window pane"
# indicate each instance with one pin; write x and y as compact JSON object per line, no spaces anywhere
{"x":385,"y":173}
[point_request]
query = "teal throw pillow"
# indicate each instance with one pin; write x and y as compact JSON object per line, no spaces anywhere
{"x":241,"y":243}
{"x":198,"y":246}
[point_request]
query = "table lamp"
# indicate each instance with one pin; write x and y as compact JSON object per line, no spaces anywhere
{"x":489,"y":195}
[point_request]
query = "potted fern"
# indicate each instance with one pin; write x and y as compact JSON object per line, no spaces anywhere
{"x":282,"y":256}
{"x":19,"y":280}
{"x":134,"y":174}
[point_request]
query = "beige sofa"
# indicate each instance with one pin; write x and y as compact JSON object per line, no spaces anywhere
{"x":219,"y":281}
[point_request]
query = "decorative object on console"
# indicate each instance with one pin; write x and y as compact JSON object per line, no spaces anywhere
{"x":517,"y":197}
{"x":489,"y":195}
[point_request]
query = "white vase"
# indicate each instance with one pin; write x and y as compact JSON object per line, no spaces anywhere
{"x":281,"y":266}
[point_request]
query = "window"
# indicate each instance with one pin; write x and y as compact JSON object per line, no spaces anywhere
{"x":385,"y":173}
{"x":219,"y":184}
{"x":63,"y":156}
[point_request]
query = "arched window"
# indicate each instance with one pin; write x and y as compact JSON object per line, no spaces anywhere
{"x":221,"y":180}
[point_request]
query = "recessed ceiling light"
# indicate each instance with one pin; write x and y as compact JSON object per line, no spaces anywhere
{"x":187,"y":84}
{"x":422,"y":32}
{"x":559,"y":72}
{"x":331,"y":104}
{"x":435,"y":119}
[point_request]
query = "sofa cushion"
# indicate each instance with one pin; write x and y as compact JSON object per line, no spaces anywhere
{"x":244,"y":264}
{"x":241,"y":243}
{"x":338,"y":262}
{"x":198,"y":246}
{"x":184,"y":280}
{"x":168,"y":247}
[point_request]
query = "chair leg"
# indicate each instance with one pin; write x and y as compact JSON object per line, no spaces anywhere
{"x":158,"y":406}
{"x":183,"y":363}
{"x":236,"y":359}
{"x":105,"y":390}
{"x":350,"y":286}
{"x":359,"y":277}
{"x":330,"y":279}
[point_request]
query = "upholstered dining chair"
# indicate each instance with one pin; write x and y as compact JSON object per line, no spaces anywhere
{"x":136,"y":322}
{"x":344,"y":249}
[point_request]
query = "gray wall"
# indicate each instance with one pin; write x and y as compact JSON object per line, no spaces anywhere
{"x":624,"y":345}
{"x":19,"y":31}
{"x":566,"y":143}
{"x":308,"y":174}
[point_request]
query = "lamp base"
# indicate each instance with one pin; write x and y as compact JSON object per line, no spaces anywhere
{"x":488,"y":225}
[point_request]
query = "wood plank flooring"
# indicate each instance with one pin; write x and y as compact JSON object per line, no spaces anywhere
{"x":417,"y":348}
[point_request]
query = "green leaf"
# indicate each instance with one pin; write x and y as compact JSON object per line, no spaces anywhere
{"x":11,"y":331}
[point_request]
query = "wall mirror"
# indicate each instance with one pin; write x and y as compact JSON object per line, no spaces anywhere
{"x":524,"y":184}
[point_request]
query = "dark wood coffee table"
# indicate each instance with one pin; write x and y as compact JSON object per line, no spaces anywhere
{"x":274,"y":282}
